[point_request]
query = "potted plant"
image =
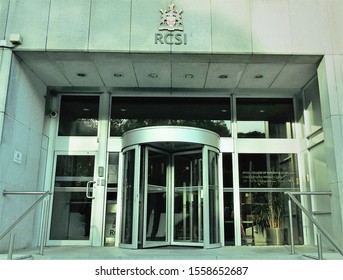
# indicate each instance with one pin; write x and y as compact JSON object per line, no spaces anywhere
{"x":268,"y":218}
{"x":275,"y":210}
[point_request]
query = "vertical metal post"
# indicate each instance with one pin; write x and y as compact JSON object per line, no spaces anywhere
{"x":44,"y":228}
{"x":291,"y":225}
{"x":10,"y":247}
{"x":319,"y":244}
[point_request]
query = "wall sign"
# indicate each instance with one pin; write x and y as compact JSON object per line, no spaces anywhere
{"x":171,"y":21}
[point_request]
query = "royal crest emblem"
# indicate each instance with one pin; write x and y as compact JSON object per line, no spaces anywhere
{"x":171,"y":19}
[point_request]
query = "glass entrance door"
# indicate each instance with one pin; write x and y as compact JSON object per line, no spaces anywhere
{"x":74,"y":196}
{"x":188,"y":206}
{"x":170,"y":190}
{"x":156,"y":198}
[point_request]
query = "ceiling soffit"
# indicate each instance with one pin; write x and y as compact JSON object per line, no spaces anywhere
{"x":173,"y":72}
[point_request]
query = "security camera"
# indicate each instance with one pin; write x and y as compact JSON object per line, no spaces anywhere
{"x":16,"y":39}
{"x":53,"y":114}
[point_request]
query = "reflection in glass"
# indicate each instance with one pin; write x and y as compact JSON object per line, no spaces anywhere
{"x":79,"y":116}
{"x":265,"y":118}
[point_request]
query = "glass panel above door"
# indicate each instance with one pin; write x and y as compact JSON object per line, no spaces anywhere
{"x":79,"y":116}
{"x":213,"y":114}
{"x":265,"y":118}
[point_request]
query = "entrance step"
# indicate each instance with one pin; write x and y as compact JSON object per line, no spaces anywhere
{"x":174,"y":253}
{"x":326,"y":256}
{"x":17,"y":257}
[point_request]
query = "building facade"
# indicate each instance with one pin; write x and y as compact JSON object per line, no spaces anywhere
{"x":157,"y":123}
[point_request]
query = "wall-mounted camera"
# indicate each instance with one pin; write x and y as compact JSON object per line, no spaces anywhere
{"x":16,"y":39}
{"x":53,"y":114}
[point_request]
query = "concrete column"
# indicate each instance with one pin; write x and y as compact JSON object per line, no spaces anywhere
{"x":5,"y":69}
{"x":330,"y":78}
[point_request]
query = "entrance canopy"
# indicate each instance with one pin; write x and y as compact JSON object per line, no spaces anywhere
{"x":245,"y":73}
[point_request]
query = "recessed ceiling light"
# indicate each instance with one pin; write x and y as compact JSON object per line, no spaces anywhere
{"x":82,"y":75}
{"x":261,"y":111}
{"x":153,"y":75}
{"x":86,"y":109}
{"x":224,"y":111}
{"x":117,"y":75}
{"x":123,"y":109}
{"x":223,"y":76}
{"x":189,"y":76}
{"x":258,"y":76}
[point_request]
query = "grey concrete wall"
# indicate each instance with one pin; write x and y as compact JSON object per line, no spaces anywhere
{"x":330,"y":74}
{"x":4,"y":5}
{"x":22,"y":132}
{"x":212,"y":26}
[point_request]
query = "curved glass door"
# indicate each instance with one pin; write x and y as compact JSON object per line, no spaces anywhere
{"x":170,"y":190}
{"x":187,"y":199}
{"x":156,"y":197}
{"x":129,"y":219}
{"x":211,"y":199}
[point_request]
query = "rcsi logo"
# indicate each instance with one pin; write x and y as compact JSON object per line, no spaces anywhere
{"x":171,"y":20}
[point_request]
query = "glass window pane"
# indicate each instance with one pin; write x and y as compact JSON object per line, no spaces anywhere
{"x":265,"y":118}
{"x":77,"y":168}
{"x":113,"y":165}
{"x":229,"y":229}
{"x":71,"y":215}
{"x":209,"y":113}
{"x":188,"y":170}
{"x":312,"y":107}
{"x":227,"y":170}
{"x":79,"y":116}
{"x":111,"y":199}
{"x":268,"y":171}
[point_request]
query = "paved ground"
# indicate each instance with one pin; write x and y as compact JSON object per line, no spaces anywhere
{"x":172,"y":253}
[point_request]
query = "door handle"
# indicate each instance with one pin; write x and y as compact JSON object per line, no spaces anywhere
{"x":87,"y":189}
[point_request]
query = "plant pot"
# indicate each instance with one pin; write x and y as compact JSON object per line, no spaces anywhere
{"x":275,"y":236}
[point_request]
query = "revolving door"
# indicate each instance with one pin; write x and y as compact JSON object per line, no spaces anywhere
{"x":170,"y":189}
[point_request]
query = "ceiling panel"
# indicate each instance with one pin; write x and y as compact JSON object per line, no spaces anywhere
{"x":294,"y":76}
{"x":224,"y":75}
{"x":260,"y":75}
{"x":115,"y":70}
{"x":189,"y":75}
{"x":75,"y":65}
{"x":154,"y":74}
{"x":45,"y":68}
